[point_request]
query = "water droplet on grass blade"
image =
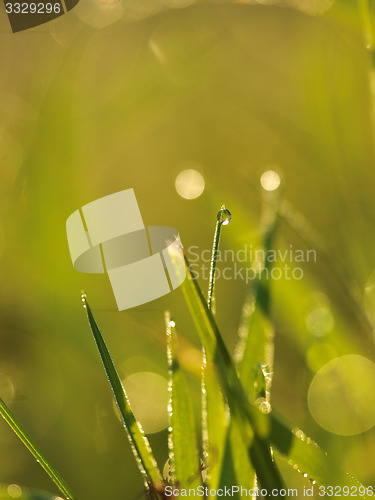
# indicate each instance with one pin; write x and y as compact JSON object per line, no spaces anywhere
{"x":263,"y":405}
{"x":224,"y":216}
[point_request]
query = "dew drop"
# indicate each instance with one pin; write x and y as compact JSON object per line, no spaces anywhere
{"x":300,"y":434}
{"x":167,"y":471}
{"x":224,"y":216}
{"x":172,"y":323}
{"x":264,"y":405}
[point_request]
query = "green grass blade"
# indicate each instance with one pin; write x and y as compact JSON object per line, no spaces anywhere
{"x":215,"y":420}
{"x":255,"y":346}
{"x":138,"y":441}
{"x":366,"y":11}
{"x":182,"y":439}
{"x":236,"y":467}
{"x":252,"y":424}
{"x":215,"y":413}
{"x":17,"y":428}
{"x":269,"y":429}
{"x":14,"y":491}
{"x":305,"y":455}
{"x":351,"y":290}
{"x":253,"y":351}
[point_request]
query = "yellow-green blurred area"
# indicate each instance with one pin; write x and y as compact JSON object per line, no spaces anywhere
{"x":117,"y":95}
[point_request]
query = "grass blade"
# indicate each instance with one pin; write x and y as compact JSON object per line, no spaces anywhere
{"x":264,"y":430}
{"x":252,"y":353}
{"x":252,"y":424}
{"x":138,"y":441}
{"x":351,"y":290}
{"x":365,"y":8}
{"x":182,"y":439}
{"x":255,"y":346}
{"x":17,"y":428}
{"x":215,"y":420}
{"x":215,"y":414}
{"x":305,"y":455}
{"x":236,"y":467}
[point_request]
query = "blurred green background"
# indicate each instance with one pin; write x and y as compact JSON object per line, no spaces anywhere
{"x":120,"y":94}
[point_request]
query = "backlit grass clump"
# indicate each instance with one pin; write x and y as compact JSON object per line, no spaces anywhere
{"x":242,"y":437}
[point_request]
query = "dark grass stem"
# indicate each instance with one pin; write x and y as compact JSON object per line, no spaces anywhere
{"x":215,"y":248}
{"x":139,"y":443}
{"x":223,"y":218}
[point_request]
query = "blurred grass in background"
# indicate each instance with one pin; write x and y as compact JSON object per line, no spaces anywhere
{"x":127,"y":94}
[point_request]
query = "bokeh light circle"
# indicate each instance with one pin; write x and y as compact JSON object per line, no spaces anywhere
{"x":189,"y":184}
{"x":320,"y":321}
{"x":14,"y":491}
{"x":270,"y":180}
{"x":149,"y":397}
{"x":340,"y":395}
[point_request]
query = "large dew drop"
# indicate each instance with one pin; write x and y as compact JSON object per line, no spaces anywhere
{"x":224,"y":216}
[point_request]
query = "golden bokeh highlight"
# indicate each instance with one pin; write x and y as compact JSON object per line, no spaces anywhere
{"x":189,"y":184}
{"x":148,"y":396}
{"x":270,"y":180}
{"x":340,"y":396}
